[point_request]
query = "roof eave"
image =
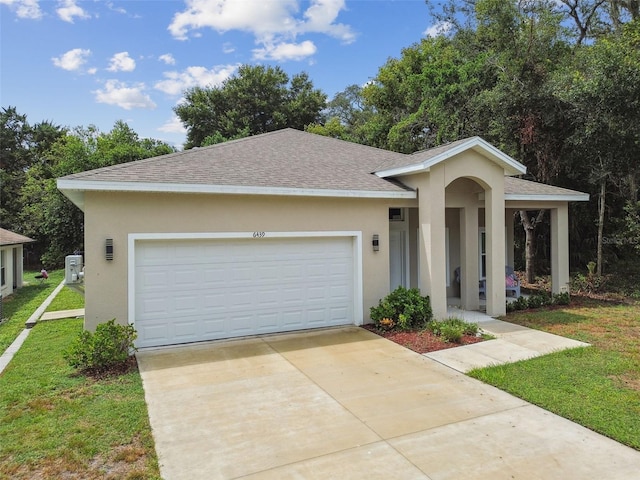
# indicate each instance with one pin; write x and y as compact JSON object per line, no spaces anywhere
{"x":570,"y":197}
{"x":74,"y":190}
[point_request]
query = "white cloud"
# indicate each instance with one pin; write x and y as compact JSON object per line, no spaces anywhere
{"x":440,"y":28}
{"x":68,"y":10}
{"x":124,"y":96}
{"x":167,"y":58}
{"x":112,"y":7}
{"x":285,"y":51}
{"x":72,"y":60}
{"x":177,"y":82}
{"x":92,"y":71}
{"x":24,"y":8}
{"x":274,"y":24}
{"x":320,"y":17}
{"x":227,"y":47}
{"x":173,"y":126}
{"x":122,"y":62}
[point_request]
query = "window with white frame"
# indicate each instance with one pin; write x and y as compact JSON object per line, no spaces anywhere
{"x":3,"y":259}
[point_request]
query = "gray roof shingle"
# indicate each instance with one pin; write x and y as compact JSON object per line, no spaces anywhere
{"x":282,"y":159}
{"x":8,"y":237}
{"x":519,"y":186}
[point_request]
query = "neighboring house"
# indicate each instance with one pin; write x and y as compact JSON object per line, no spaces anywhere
{"x":11,"y":269}
{"x":291,"y":230}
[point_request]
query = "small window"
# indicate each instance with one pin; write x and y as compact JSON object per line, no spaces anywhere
{"x":396,"y":214}
{"x":2,"y":276}
{"x":482,"y":244}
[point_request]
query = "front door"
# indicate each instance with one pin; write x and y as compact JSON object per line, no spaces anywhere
{"x":398,"y":271}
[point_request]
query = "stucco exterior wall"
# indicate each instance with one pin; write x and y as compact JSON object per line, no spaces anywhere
{"x":116,"y":215}
{"x":12,"y":271}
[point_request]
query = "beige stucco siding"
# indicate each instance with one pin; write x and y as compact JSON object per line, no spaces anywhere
{"x":116,"y":215}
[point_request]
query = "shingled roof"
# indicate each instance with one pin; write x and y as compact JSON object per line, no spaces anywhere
{"x":8,"y":237}
{"x":282,"y":159}
{"x":519,"y":189}
{"x":284,"y":162}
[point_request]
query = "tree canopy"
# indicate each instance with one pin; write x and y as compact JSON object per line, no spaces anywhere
{"x":34,"y":156}
{"x":555,"y":84}
{"x":258,"y":99}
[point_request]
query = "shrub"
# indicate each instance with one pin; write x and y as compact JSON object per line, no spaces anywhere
{"x":451,"y":333}
{"x":109,"y":346}
{"x":406,"y":307}
{"x":538,"y":300}
{"x":562,"y":298}
{"x":452,"y":329}
{"x":591,"y":282}
{"x":521,"y":303}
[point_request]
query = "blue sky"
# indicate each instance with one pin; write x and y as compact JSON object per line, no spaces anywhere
{"x":93,"y":62}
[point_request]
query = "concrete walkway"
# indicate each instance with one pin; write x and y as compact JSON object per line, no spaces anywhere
{"x":513,"y":343}
{"x":346,"y":403}
{"x":60,"y":314}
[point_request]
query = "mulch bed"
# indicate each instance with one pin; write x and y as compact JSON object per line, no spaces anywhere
{"x":421,"y":341}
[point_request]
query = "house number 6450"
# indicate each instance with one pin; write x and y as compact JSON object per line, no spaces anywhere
{"x":258,"y":234}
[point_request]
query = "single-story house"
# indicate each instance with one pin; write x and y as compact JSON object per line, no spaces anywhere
{"x":11,"y":267}
{"x":290,"y":230}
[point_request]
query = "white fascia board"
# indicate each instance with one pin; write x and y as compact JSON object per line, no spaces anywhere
{"x":577,"y":197}
{"x":512,"y":166}
{"x":399,"y":171}
{"x":88,"y":185}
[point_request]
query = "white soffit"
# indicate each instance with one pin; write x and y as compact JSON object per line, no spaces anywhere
{"x":74,"y":190}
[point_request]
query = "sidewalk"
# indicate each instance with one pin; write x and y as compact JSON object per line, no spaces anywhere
{"x":513,"y":343}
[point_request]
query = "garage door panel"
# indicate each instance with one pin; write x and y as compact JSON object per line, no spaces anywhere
{"x":241,"y":324}
{"x":186,"y":278}
{"x":292,"y":319}
{"x":186,"y":304}
{"x":197,"y":290}
{"x":267,"y":322}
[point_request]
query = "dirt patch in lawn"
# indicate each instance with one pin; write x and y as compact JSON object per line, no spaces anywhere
{"x":421,"y":341}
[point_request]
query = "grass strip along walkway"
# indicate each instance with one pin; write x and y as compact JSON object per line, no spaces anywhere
{"x":598,"y":386}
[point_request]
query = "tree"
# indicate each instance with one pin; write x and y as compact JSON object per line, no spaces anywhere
{"x":345,"y":117}
{"x":257,"y":100}
{"x":601,"y":86}
{"x":44,"y":213}
{"x":23,"y":146}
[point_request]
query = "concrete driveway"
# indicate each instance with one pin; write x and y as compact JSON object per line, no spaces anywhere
{"x":345,"y":403}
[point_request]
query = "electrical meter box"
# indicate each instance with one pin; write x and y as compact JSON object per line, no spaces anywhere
{"x":73,"y":269}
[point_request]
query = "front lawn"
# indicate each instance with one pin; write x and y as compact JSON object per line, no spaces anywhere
{"x":597,"y":386}
{"x":57,"y":424}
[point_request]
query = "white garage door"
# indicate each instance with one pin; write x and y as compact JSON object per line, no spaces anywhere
{"x":194,"y":290}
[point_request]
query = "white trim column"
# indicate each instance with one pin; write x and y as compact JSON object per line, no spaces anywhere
{"x":494,"y":218}
{"x":433,"y":262}
{"x":560,"y":249}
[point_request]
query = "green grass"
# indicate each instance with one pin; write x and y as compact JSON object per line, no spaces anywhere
{"x":67,"y":299}
{"x":57,"y":424}
{"x":17,"y":308}
{"x":597,"y":386}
